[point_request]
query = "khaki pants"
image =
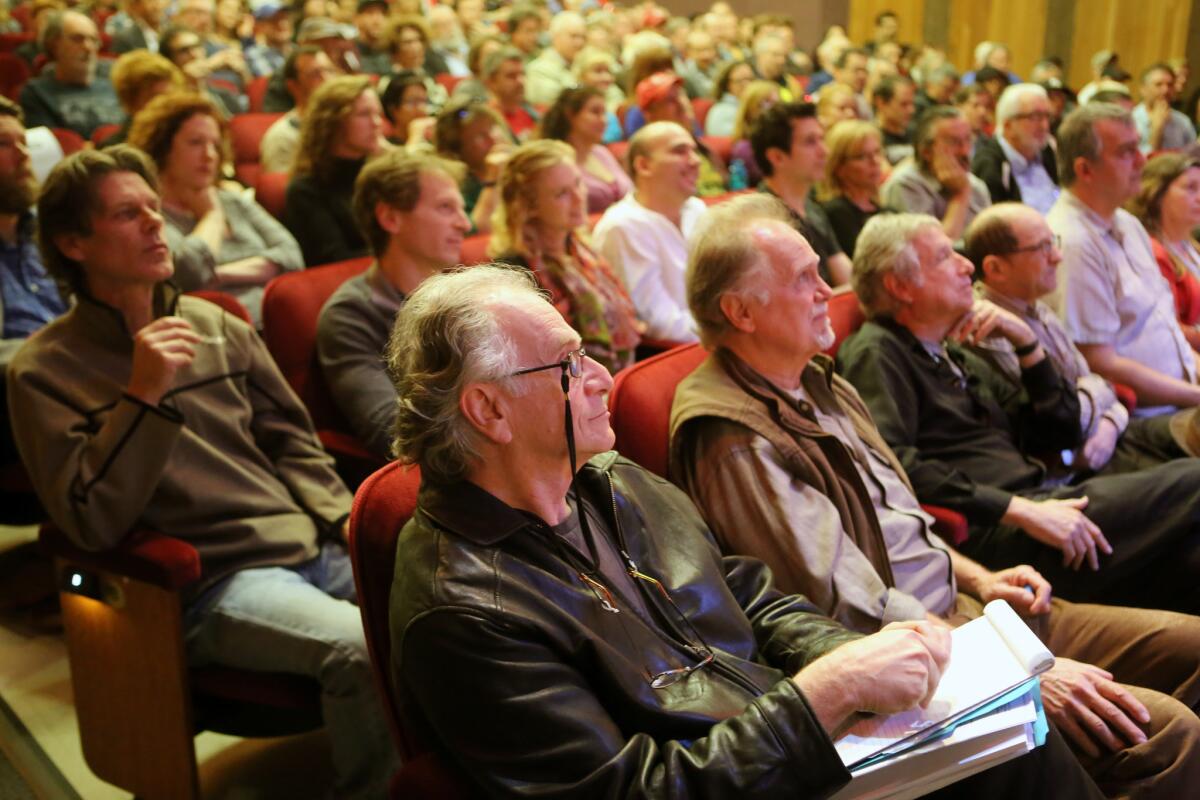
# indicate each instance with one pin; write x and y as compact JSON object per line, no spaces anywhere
{"x":1156,"y":654}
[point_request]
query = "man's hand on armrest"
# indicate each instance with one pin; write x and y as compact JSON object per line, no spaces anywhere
{"x":884,"y":673}
{"x":1062,"y":525}
{"x":1152,"y":387}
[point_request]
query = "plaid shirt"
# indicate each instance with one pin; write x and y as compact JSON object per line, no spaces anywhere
{"x":262,"y":60}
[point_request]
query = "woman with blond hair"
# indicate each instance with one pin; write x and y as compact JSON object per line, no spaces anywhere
{"x":540,"y":224}
{"x":853,"y":175}
{"x":219,"y":239}
{"x":343,"y":127}
{"x":1169,"y":207}
{"x":836,"y":102}
{"x":138,"y":77}
{"x":757,"y":98}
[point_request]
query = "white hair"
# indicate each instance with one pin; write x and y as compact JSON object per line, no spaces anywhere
{"x":1009,"y":104}
{"x":563,"y":19}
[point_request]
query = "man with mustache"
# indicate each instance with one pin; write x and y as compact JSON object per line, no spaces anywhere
{"x":938,"y":181}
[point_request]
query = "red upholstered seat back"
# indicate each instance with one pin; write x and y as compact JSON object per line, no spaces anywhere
{"x":270,"y":190}
{"x":640,"y":402}
{"x":291,"y":304}
{"x":474,"y":249}
{"x":225,"y":301}
{"x":246,"y":132}
{"x":845,"y":316}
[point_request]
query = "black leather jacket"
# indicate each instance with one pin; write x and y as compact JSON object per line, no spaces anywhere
{"x":509,"y":661}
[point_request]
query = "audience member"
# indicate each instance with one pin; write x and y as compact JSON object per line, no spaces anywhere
{"x":594,"y":68}
{"x":1100,"y":61}
{"x":138,"y":77}
{"x":1159,"y":126}
{"x":408,"y":40}
{"x":700,"y":67}
{"x":782,"y":460}
{"x":447,"y":40}
{"x":504,"y":77}
{"x":850,"y":69}
{"x":938,"y":87}
{"x":731,"y":82}
{"x":145,"y":21}
{"x":184,"y":48}
{"x":40,"y":14}
{"x":342,"y":128}
{"x":1016,"y":257}
{"x":770,"y":62}
{"x":541,"y":224}
{"x":1019,"y":163}
{"x":835,"y":103}
{"x":371,"y":36}
{"x":828,"y":53}
{"x":886,"y":30}
{"x":525,"y":30}
{"x":327,"y":36}
{"x":221,"y":55}
{"x":472,"y":88}
{"x":993,"y":80}
{"x":411,"y":214}
{"x":938,"y":181}
{"x":142,"y":408}
{"x":994,"y":56}
{"x":406,"y":105}
{"x":894,"y":107}
{"x":579,"y":118}
{"x":644,"y":237}
{"x":849,"y":193}
{"x":219,"y":239}
{"x":789,"y":147}
{"x":496,"y":480}
{"x":473,"y":133}
{"x":306,"y":68}
{"x":965,"y":437}
{"x":69,"y":93}
{"x":29,"y":297}
{"x":978,"y":107}
{"x":662,"y":98}
{"x":1168,"y":206}
{"x":550,"y":72}
{"x":272,"y":43}
{"x":646,"y":53}
{"x":758,"y":97}
{"x":1114,"y":301}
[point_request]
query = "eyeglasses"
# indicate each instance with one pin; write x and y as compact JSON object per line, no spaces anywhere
{"x":1036,"y":116}
{"x":1045,"y":247}
{"x":571,"y":366}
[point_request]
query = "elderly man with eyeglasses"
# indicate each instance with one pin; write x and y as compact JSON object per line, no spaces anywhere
{"x":567,"y":632}
{"x":1016,"y":257}
{"x":1019,"y":163}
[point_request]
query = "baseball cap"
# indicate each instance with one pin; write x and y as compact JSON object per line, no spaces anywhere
{"x":656,"y":87}
{"x":314,"y":29}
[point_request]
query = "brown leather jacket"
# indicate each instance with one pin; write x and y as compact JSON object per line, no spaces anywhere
{"x":518,"y":673}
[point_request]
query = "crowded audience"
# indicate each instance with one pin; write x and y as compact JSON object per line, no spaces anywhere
{"x":617,"y":180}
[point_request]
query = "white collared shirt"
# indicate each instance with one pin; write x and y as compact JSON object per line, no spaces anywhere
{"x":1038,"y":189}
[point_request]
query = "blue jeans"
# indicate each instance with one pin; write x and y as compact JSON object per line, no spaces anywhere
{"x":303,"y":620}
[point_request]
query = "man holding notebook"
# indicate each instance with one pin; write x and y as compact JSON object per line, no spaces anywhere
{"x":785,"y":464}
{"x":563,"y":632}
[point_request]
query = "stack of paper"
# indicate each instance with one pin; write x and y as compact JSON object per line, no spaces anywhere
{"x":987,"y":709}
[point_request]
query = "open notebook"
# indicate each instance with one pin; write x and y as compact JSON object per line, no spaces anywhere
{"x":994,"y":661}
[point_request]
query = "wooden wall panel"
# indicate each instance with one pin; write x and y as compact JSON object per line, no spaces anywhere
{"x":1020,"y":24}
{"x":1142,"y":31}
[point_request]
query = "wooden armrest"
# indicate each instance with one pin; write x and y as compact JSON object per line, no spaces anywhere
{"x":950,"y":525}
{"x":144,"y":555}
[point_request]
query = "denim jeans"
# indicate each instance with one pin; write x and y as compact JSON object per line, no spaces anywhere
{"x":303,"y":620}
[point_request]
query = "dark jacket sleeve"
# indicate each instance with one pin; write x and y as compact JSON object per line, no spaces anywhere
{"x":991,"y":167}
{"x":39,"y":109}
{"x":879,"y":371}
{"x":308,"y":216}
{"x":544,"y":732}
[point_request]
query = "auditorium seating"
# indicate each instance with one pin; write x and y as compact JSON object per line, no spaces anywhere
{"x":138,"y":703}
{"x":246,"y":133}
{"x":270,"y":190}
{"x":14,"y":72}
{"x":382,"y":505}
{"x":292,"y":303}
{"x":256,"y":92}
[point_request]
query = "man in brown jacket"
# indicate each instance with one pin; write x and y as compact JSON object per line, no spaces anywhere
{"x":783,"y":460}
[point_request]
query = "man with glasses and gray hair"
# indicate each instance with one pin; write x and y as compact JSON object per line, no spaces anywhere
{"x":1018,"y":164}
{"x":1115,"y":304}
{"x":562,"y":620}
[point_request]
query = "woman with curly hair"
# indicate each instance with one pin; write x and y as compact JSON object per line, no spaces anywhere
{"x":578,"y":118}
{"x":540,"y":224}
{"x":343,"y":127}
{"x":219,"y":239}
